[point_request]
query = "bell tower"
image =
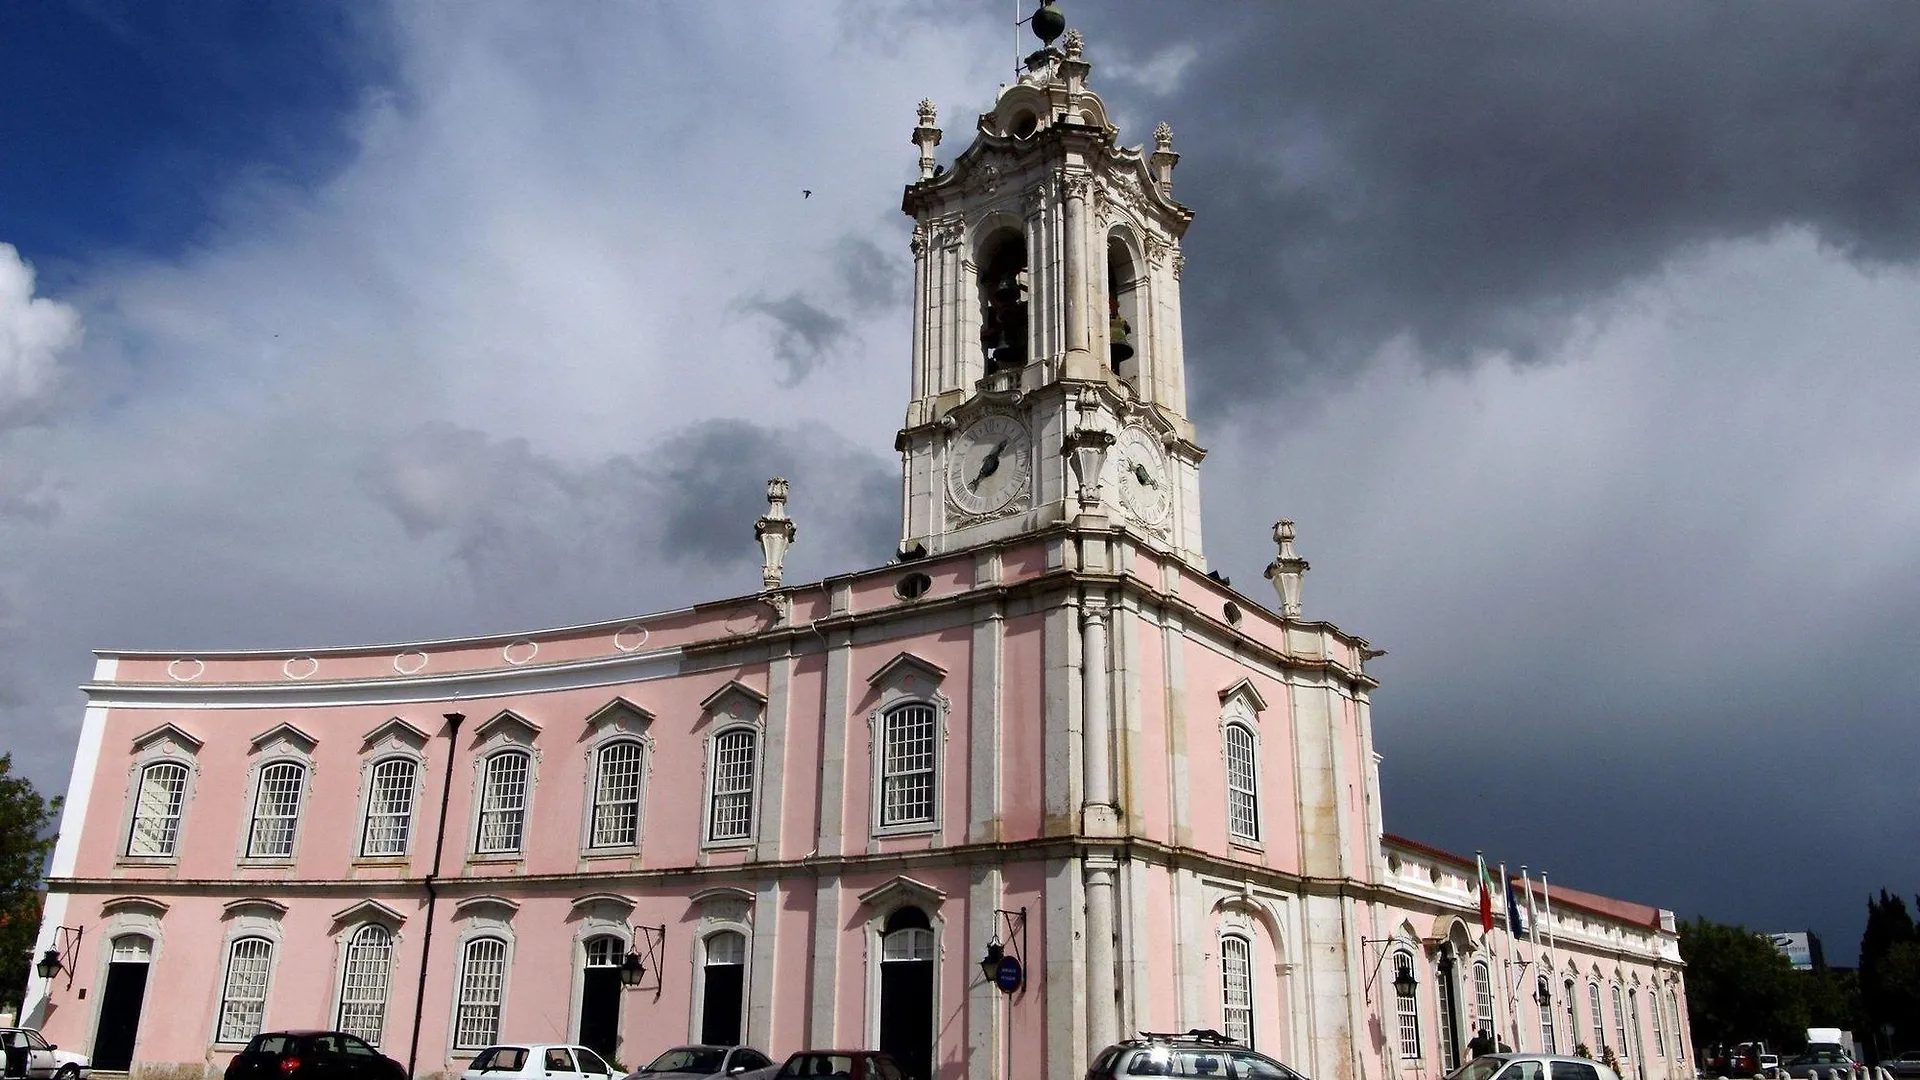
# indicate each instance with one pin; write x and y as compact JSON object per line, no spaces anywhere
{"x":1048,"y":377}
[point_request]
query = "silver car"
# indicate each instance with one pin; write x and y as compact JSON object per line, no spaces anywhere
{"x":708,"y":1063}
{"x":1531,"y":1067}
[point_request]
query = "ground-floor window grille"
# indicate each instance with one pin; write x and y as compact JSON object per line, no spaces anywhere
{"x":483,"y":979}
{"x":243,"y":1002}
{"x":1236,"y":988}
{"x":1406,"y":1005}
{"x":364,"y":983}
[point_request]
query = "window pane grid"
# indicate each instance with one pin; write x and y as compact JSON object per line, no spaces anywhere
{"x":1483,"y":998}
{"x":276,"y":808}
{"x":389,"y":808}
{"x":156,"y":810}
{"x":1243,"y":817}
{"x":729,"y":947}
{"x":243,"y":1005}
{"x":1236,"y":989}
{"x":732,"y":786}
{"x":907,"y":766}
{"x":1406,"y":1007}
{"x":1619,"y":1022}
{"x":363,"y":987}
{"x":616,"y":798}
{"x":603,"y":952}
{"x":1547,"y":1044}
{"x":483,"y":976}
{"x":1599,"y":1020}
{"x":504,"y":803}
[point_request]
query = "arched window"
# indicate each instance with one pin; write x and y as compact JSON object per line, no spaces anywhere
{"x":1236,"y":988}
{"x":365,"y":982}
{"x":156,"y":809}
{"x":730,"y":815}
{"x":907,"y":952}
{"x":1634,"y":1043}
{"x":1573,"y":1013}
{"x":1659,"y":1023}
{"x":276,"y":810}
{"x":483,"y":984}
{"x":616,"y":794}
{"x":1599,"y":1017}
{"x":1003,"y":302}
{"x":599,"y":1028}
{"x":1483,"y":998}
{"x":503,"y":804}
{"x":1124,"y":291}
{"x":1243,"y":798}
{"x":907,"y":788}
{"x":1407,"y":1005}
{"x":243,"y":996}
{"x":1679,"y":1028}
{"x":722,"y":999}
{"x":389,"y":824}
{"x":1619,"y":1022}
{"x":1543,"y":997}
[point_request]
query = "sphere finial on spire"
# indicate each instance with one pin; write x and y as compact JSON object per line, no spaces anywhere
{"x":1047,"y":23}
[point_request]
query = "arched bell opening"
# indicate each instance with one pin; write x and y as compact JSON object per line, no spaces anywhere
{"x":1126,"y":293}
{"x":1004,"y":295}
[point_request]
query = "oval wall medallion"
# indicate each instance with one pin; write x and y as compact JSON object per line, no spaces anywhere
{"x":519,"y":652}
{"x":407,"y":663}
{"x":629,"y":637}
{"x":179,"y":672}
{"x":300,"y":667}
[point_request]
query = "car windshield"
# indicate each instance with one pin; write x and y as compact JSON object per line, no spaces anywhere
{"x":1224,"y":1063}
{"x":1480,"y":1068}
{"x":818,"y":1065}
{"x":500,"y":1059}
{"x":688,"y":1059}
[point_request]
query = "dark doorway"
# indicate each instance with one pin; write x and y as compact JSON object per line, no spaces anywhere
{"x":600,"y":998}
{"x":1449,"y":1015}
{"x":724,"y":985}
{"x":906,"y":992}
{"x":120,"y":1003}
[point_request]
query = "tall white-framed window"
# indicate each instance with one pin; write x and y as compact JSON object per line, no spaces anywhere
{"x":1543,"y":997}
{"x":1635,"y":1039}
{"x":483,"y":986}
{"x":1483,"y":998}
{"x":1679,"y":1028}
{"x":908,"y":780}
{"x":277,"y":796}
{"x":1619,"y":1022}
{"x":158,"y":801}
{"x":503,"y":803}
{"x":243,"y":993}
{"x":1573,"y":1013}
{"x":734,"y":766}
{"x":1406,"y":1004}
{"x":365,"y":981}
{"x":1659,"y":1022}
{"x":1598,"y":1016}
{"x":616,"y":793}
{"x":388,"y":828}
{"x":1236,"y":988}
{"x":1243,"y":796}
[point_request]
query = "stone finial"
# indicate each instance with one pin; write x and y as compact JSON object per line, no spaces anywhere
{"x":1163,"y":159}
{"x":926,"y":137}
{"x":1162,"y":137}
{"x":1286,"y":570}
{"x":1075,"y":42}
{"x":775,"y":533}
{"x":1087,"y":454}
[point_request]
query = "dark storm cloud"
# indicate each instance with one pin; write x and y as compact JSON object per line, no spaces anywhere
{"x":1472,"y":177}
{"x":874,"y":281}
{"x":804,"y":334}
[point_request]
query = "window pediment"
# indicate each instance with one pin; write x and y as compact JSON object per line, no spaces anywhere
{"x":612,"y":906}
{"x":393,"y":735}
{"x":487,"y":906}
{"x":906,"y":672}
{"x":736,"y":701}
{"x":369,"y":911}
{"x":134,"y":905}
{"x":619,"y":715}
{"x":284,"y":737}
{"x":902,"y":891}
{"x":508,"y":726}
{"x":1246,"y":693}
{"x":167,"y":738}
{"x":256,"y":906}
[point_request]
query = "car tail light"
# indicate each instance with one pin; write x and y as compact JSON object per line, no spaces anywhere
{"x":289,"y":1066}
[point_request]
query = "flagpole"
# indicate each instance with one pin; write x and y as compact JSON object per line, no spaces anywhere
{"x":1546,"y":912}
{"x":1533,"y":935}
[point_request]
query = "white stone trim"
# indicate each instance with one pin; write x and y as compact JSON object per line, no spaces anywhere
{"x":616,"y":722}
{"x":498,"y":738}
{"x":282,"y":744}
{"x":484,"y":917}
{"x":905,"y":684}
{"x":247,"y":918}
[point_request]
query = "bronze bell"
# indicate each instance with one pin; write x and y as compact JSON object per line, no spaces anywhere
{"x":1120,"y":339}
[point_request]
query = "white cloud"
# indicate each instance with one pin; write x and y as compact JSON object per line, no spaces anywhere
{"x":34,"y":332}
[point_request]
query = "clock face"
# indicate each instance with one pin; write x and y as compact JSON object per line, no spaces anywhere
{"x":989,"y":465}
{"x":1146,"y":483}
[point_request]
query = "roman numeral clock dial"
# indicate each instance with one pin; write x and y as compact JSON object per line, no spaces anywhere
{"x":989,"y":465}
{"x":1145,"y":481}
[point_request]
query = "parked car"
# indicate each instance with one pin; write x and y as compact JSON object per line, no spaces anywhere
{"x":312,"y":1055}
{"x":707,"y":1063}
{"x":1532,"y":1067}
{"x":840,"y":1065}
{"x":1905,"y":1065}
{"x":1818,"y":1062}
{"x":561,"y":1061}
{"x":28,"y":1054}
{"x":1197,"y":1053}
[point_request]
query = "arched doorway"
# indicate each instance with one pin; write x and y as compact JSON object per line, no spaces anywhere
{"x":1447,"y":993}
{"x":600,"y":996}
{"x":724,"y":988}
{"x":121,"y":1002}
{"x":906,"y":992}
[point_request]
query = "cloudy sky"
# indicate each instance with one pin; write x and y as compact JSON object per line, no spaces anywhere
{"x":1580,"y":340}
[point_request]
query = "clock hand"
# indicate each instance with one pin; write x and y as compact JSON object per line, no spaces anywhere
{"x":1141,"y":476}
{"x":988,"y":466}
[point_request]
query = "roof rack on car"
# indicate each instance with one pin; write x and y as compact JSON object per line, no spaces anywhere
{"x":1207,"y":1035}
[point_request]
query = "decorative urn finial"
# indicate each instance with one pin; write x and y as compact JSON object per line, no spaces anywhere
{"x":926,"y":137}
{"x":1163,"y":159}
{"x":1076,"y":42}
{"x":1162,"y":137}
{"x":1087,"y":455}
{"x":775,"y":533}
{"x":1286,"y":570}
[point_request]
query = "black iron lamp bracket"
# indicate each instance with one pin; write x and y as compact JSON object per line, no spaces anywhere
{"x":60,"y":957}
{"x":644,"y":958}
{"x":1009,"y":937}
{"x":1377,"y":950}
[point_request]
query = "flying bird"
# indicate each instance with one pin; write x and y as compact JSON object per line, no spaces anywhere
{"x":806,"y":193}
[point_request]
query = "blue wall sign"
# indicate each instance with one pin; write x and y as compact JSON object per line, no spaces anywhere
{"x":1008,"y":975}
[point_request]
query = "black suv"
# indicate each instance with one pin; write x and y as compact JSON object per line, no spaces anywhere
{"x":1202,"y":1054}
{"x":312,"y":1055}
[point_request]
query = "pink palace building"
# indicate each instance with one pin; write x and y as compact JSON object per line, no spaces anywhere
{"x":1044,"y":735}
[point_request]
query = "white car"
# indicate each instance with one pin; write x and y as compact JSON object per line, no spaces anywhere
{"x":700,"y":1062}
{"x":29,"y":1055}
{"x":547,"y":1061}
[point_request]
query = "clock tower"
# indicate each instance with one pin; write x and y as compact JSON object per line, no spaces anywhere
{"x":1048,"y":382}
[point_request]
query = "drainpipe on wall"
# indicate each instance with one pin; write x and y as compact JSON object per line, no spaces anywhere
{"x":433,"y":897}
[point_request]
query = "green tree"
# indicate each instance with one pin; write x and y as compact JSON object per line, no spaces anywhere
{"x":1740,"y":987}
{"x":26,"y":836}
{"x":1890,"y":970}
